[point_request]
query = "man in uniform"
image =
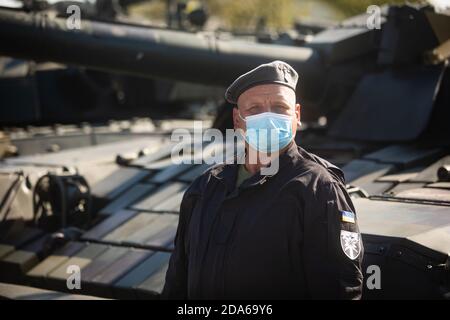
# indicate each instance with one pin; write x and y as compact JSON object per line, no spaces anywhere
{"x":245,"y":235}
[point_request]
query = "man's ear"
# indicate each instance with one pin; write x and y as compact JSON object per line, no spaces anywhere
{"x":298,"y":108}
{"x":236,"y":119}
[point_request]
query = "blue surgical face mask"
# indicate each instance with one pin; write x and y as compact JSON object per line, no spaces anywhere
{"x":268,"y":132}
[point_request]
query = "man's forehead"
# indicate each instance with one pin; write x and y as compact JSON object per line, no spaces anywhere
{"x":265,"y":91}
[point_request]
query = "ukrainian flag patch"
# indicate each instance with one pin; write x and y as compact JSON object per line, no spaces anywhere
{"x":348,"y":216}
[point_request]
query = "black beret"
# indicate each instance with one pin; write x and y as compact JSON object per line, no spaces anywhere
{"x":274,"y":72}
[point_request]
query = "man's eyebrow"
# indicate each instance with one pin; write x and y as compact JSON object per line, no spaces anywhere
{"x":283,"y":101}
{"x":253,"y":104}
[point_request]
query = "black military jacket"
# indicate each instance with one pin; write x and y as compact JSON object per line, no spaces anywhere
{"x":273,"y":237}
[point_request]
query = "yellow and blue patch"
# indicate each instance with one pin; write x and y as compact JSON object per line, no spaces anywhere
{"x":348,"y":216}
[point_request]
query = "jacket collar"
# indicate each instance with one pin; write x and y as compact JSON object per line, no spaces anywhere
{"x":228,"y":172}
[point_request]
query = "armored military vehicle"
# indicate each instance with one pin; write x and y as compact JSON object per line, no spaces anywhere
{"x":86,"y":177}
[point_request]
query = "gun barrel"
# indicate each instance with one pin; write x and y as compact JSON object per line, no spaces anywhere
{"x":176,"y":55}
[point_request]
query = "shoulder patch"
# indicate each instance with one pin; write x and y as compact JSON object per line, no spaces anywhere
{"x":351,"y":244}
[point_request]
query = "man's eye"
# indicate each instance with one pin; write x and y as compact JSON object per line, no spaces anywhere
{"x":281,"y":109}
